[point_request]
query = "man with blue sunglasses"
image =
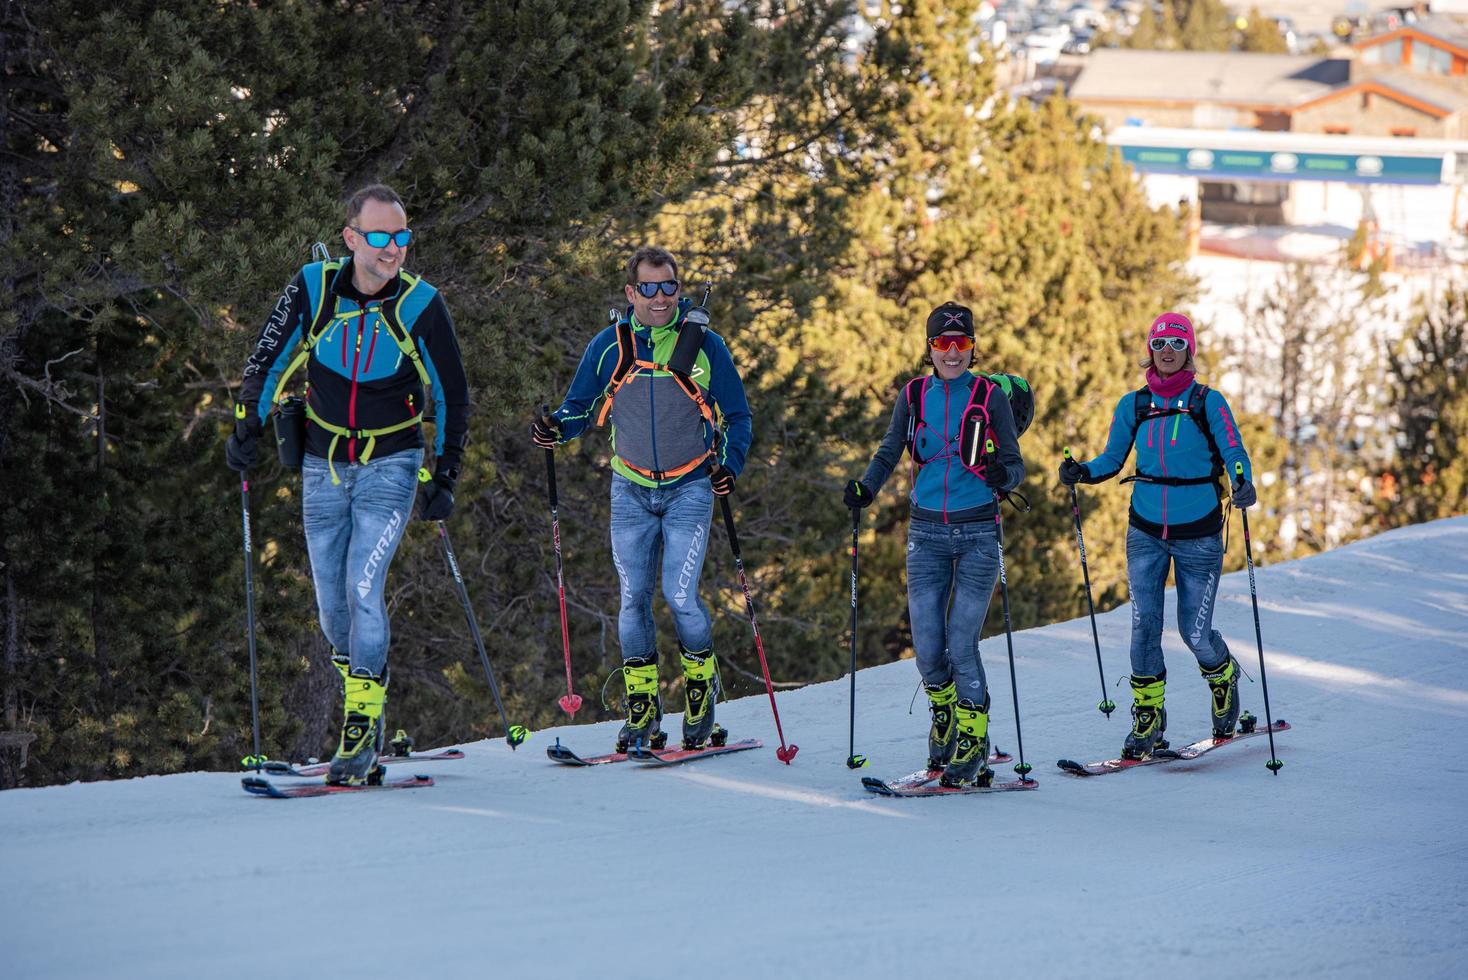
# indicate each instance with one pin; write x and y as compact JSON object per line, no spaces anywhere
{"x":680,"y":432}
{"x":374,"y":340}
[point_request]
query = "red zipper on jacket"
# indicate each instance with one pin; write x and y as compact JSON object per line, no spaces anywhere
{"x":352,"y":402}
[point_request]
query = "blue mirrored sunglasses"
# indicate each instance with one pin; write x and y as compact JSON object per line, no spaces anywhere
{"x":650,"y":289}
{"x":379,"y":239}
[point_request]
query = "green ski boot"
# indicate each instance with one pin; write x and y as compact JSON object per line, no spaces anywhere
{"x":355,"y":762}
{"x":971,"y":749}
{"x":940,"y":736}
{"x":1223,"y":684}
{"x":700,"y":689}
{"x":1149,"y":717}
{"x":644,"y":707}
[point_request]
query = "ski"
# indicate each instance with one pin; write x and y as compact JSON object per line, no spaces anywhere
{"x":874,"y":785}
{"x":264,"y":787}
{"x":1166,"y":755}
{"x":673,"y":757}
{"x":274,"y":768}
{"x":922,"y":776}
{"x":559,"y":753}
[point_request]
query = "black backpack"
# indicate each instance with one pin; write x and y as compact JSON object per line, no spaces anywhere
{"x":1197,"y":411}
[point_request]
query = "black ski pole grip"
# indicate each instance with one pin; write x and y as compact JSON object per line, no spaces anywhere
{"x":550,"y":462}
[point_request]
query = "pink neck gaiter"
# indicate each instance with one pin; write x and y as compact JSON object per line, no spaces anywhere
{"x":1169,"y":387}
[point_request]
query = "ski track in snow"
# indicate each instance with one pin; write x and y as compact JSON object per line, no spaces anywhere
{"x":1352,"y":862}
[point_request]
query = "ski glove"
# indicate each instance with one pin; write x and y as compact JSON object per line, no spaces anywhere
{"x":698,"y":317}
{"x":239,"y":450}
{"x":1072,"y":473}
{"x":438,"y":495}
{"x":545,"y":432}
{"x":722,"y":480}
{"x":1244,"y":495}
{"x":857,"y":495}
{"x":996,"y":475}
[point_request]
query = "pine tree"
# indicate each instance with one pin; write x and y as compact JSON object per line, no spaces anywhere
{"x":1167,"y":29}
{"x":1261,"y":35}
{"x":1145,"y":36}
{"x":1426,"y":374}
{"x":1305,"y":357}
{"x":1206,"y":26}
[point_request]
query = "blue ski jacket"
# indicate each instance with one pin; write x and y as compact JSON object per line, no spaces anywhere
{"x":944,"y":490}
{"x":1172,"y":446}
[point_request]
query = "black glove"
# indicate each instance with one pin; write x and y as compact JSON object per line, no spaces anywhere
{"x":722,"y":480}
{"x":1244,"y":494}
{"x":239,"y":449}
{"x":1072,"y":473}
{"x":438,"y":495}
{"x":857,"y":495}
{"x":545,"y":432}
{"x":996,"y":474}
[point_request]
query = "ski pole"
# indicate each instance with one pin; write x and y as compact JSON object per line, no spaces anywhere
{"x":1022,"y":767}
{"x":257,"y":759}
{"x":1107,"y":706}
{"x":783,"y":753}
{"x":514,"y":734}
{"x":1274,"y":764}
{"x":854,"y":761}
{"x":570,"y":702}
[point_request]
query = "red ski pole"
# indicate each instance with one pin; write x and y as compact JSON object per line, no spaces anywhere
{"x":570,"y":702}
{"x":783,"y":753}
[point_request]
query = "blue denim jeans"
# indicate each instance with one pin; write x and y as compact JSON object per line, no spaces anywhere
{"x":352,"y":532}
{"x":951,"y":569}
{"x":1196,"y":563}
{"x":660,"y":533}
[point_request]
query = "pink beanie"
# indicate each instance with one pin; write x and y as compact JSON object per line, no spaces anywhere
{"x":1174,"y":325}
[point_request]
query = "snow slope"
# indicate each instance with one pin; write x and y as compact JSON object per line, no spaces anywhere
{"x":1352,"y":862}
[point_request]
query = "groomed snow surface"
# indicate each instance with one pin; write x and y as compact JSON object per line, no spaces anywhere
{"x":1352,"y":862}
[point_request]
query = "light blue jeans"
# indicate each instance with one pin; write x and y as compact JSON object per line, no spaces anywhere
{"x":352,"y":532}
{"x":951,"y":570}
{"x":660,"y":533}
{"x":1196,"y":563}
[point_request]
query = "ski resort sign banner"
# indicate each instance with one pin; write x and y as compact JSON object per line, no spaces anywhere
{"x":1284,"y":165}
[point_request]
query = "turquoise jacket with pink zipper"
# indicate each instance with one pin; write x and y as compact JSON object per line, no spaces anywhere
{"x":1172,"y":446}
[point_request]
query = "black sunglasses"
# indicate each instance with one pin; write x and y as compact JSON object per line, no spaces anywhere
{"x":650,"y":289}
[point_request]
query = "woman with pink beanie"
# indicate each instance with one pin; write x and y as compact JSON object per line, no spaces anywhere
{"x":1186,"y":440}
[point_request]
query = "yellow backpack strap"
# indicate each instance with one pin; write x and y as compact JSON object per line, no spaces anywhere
{"x":339,"y":432}
{"x":399,"y":331}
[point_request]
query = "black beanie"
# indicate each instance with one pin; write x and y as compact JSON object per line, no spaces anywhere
{"x":950,"y":316}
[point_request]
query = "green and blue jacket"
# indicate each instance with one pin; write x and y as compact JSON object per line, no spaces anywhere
{"x":655,"y":425}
